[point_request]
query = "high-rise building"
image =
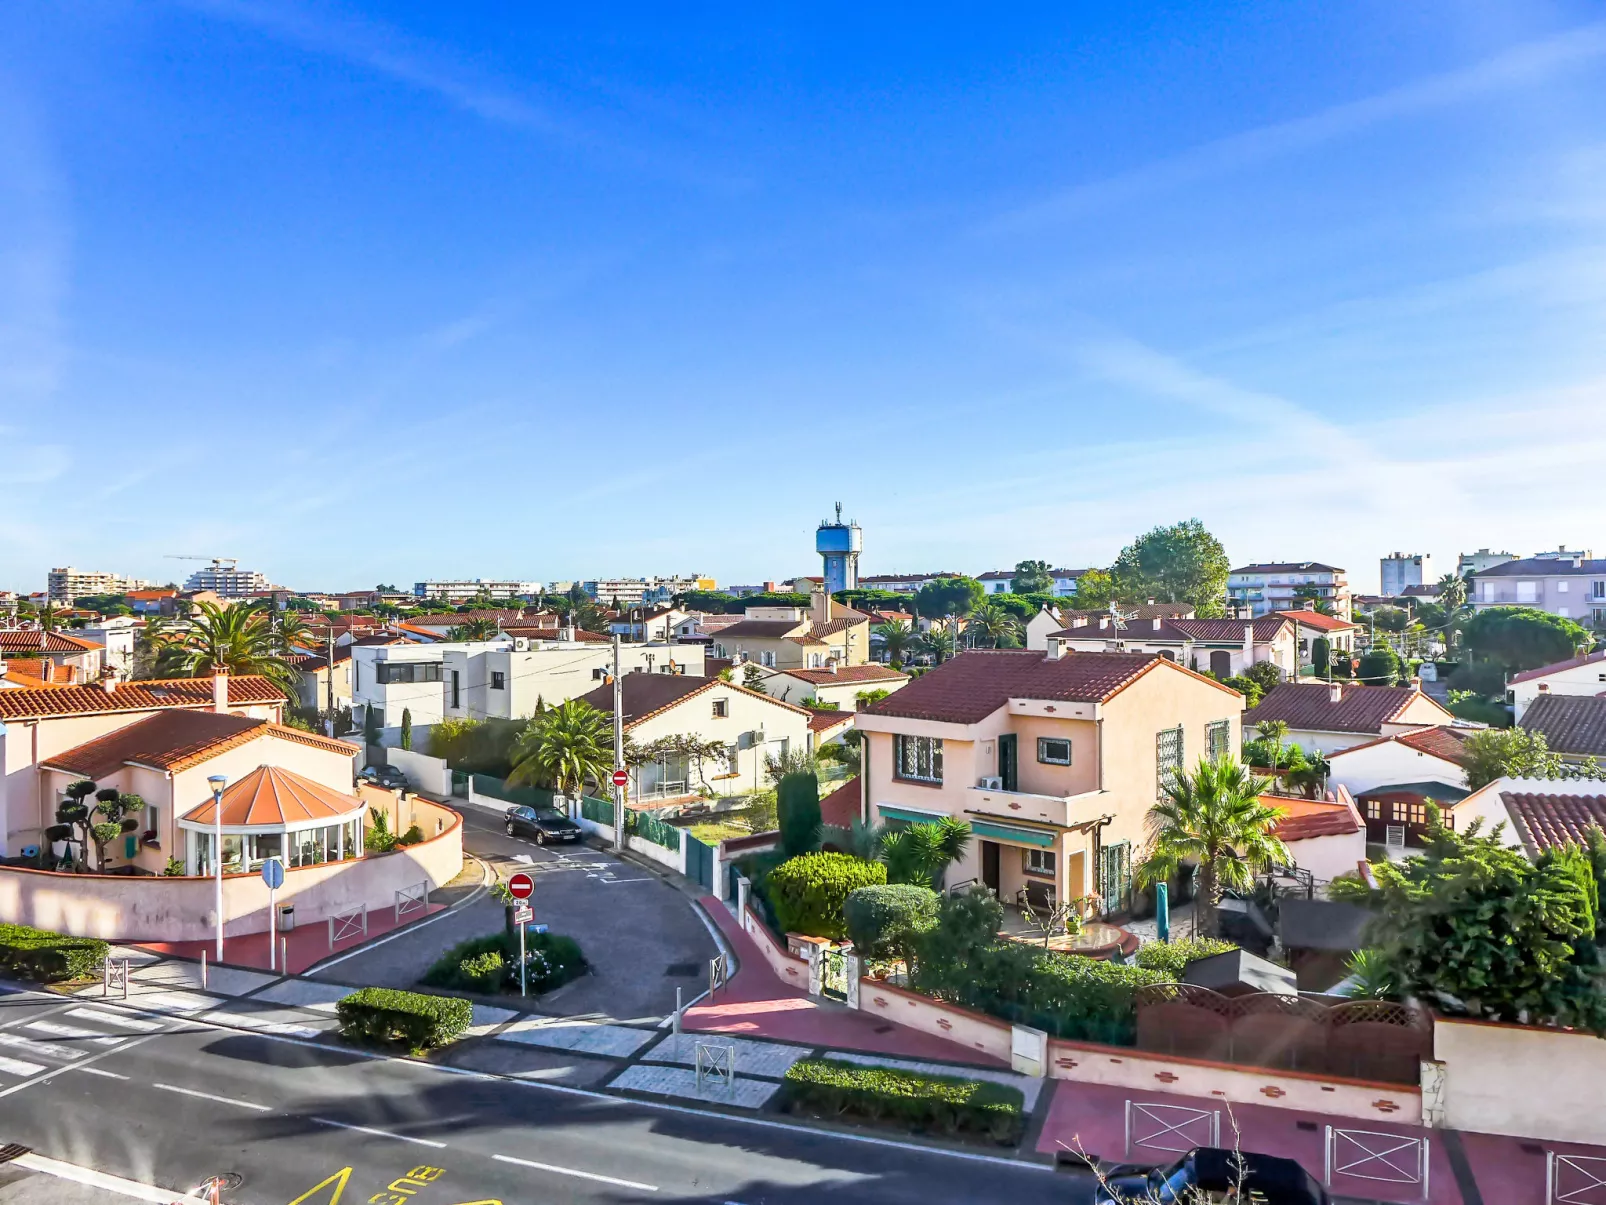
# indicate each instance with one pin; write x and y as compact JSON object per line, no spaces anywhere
{"x":839,"y":545}
{"x":64,"y":585}
{"x":1402,"y":569}
{"x":225,"y":578}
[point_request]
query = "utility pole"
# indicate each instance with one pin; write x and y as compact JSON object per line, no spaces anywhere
{"x":618,"y":751}
{"x":329,"y":691}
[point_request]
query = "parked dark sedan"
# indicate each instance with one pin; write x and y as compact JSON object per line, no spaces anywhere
{"x":1209,"y":1173}
{"x":388,"y":777}
{"x":542,"y":825}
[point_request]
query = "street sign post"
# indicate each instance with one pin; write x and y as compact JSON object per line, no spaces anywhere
{"x":521,"y":886}
{"x":523,"y":914}
{"x":273,"y":876}
{"x":621,"y":778}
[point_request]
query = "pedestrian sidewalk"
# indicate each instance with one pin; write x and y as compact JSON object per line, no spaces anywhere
{"x":756,"y":1003}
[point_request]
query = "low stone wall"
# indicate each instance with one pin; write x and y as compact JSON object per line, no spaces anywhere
{"x":793,"y":971}
{"x":675,"y":859}
{"x":977,"y":1031}
{"x":125,"y":908}
{"x":1521,"y":1080}
{"x":424,"y":773}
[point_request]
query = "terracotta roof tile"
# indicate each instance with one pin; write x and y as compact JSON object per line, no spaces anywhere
{"x":1543,"y":819}
{"x":34,"y":640}
{"x":1572,"y":724}
{"x":1442,"y":742}
{"x":271,"y":796}
{"x":37,"y":671}
{"x":846,"y":673}
{"x":841,"y":806}
{"x":763,"y":629}
{"x":644,"y":696}
{"x":970,"y":687}
{"x":1303,"y":819}
{"x":1308,"y":707}
{"x":1544,"y":671}
{"x":824,"y":721}
{"x":1144,"y":611}
{"x":155,"y":695}
{"x":171,"y":740}
{"x":1315,"y":619}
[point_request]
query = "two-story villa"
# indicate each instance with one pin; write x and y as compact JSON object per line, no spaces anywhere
{"x":1054,"y":760}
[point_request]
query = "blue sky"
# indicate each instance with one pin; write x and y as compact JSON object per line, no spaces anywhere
{"x":383,"y":292}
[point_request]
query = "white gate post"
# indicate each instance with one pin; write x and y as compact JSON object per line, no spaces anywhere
{"x":816,"y":967}
{"x":855,"y":968}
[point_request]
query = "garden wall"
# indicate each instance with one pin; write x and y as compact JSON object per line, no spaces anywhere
{"x":675,"y":859}
{"x":1521,"y":1080}
{"x":127,"y":908}
{"x":793,"y":971}
{"x":977,"y":1031}
{"x":424,"y":773}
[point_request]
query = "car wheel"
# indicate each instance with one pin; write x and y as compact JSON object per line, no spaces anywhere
{"x":540,"y":837}
{"x":509,"y":827}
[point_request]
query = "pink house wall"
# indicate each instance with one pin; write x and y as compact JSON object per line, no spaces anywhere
{"x":984,"y":1034}
{"x":180,"y":909}
{"x":793,"y":971}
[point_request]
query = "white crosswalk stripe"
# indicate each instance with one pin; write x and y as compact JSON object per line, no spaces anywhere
{"x":74,"y":1031}
{"x":39,"y":1048}
{"x":18,"y":1067}
{"x":94,"y":1014}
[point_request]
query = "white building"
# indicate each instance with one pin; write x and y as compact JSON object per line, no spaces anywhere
{"x":1477,"y":562}
{"x":1288,"y":586}
{"x":465,"y":590}
{"x":1402,"y":569}
{"x":1065,"y":580}
{"x":224,"y":577}
{"x":1584,"y":675}
{"x":1419,"y":759}
{"x":117,"y":635}
{"x":65,"y":584}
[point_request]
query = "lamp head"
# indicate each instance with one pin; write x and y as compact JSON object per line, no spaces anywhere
{"x":217,"y":782}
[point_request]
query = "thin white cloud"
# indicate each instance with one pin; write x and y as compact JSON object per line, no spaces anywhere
{"x":1521,"y":65}
{"x":35,"y":254}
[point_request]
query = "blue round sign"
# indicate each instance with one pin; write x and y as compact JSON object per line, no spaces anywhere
{"x":273,"y":874}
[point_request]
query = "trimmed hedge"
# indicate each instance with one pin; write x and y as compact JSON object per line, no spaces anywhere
{"x":808,"y":892}
{"x":939,"y":1103}
{"x":1172,"y":957}
{"x":29,"y":953}
{"x":884,"y":921}
{"x":384,"y":1016}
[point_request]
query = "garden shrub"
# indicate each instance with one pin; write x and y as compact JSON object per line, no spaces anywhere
{"x":798,"y":810}
{"x":944,"y":1104}
{"x":490,"y":964}
{"x":884,"y":921}
{"x":45,"y":957}
{"x":1172,"y":957}
{"x":808,"y":892}
{"x":413,"y":836}
{"x":384,"y":1016}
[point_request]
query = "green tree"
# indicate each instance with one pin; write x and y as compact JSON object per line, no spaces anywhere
{"x":1264,"y":674}
{"x":897,"y":639}
{"x":1321,"y":651}
{"x":407,"y":729}
{"x":1275,"y":731}
{"x":1452,"y":593}
{"x":1507,"y":753}
{"x":922,"y":853}
{"x":810,"y":891}
{"x":1179,"y":563}
{"x":1476,"y":928}
{"x":992,"y":627}
{"x":1312,"y":598}
{"x":1519,"y":638}
{"x":1031,"y":577}
{"x":797,"y":798}
{"x":565,"y":748}
{"x":474,"y":628}
{"x":753,"y":677}
{"x":1389,"y":619}
{"x":235,"y":639}
{"x":1379,"y":666}
{"x":938,"y":642}
{"x":949,"y":596}
{"x":869,"y":698}
{"x":74,"y":820}
{"x":887,"y":921}
{"x":1095,"y":590}
{"x":1213,"y":817}
{"x":711,"y":602}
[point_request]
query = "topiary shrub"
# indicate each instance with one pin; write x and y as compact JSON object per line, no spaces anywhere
{"x":885,"y":921}
{"x":809,"y":892}
{"x":798,"y":807}
{"x":383,"y":1016}
{"x":940,"y":1103}
{"x":1172,"y":957}
{"x":45,"y":957}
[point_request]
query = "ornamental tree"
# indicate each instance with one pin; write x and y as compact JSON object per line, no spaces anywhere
{"x":1179,"y":563}
{"x":1520,"y":638}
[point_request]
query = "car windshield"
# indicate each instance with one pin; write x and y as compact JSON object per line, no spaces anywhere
{"x":550,"y":814}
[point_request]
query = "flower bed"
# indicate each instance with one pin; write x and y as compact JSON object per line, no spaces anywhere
{"x":490,"y":964}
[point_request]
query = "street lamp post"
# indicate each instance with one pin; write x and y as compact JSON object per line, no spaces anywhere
{"x":218,"y":782}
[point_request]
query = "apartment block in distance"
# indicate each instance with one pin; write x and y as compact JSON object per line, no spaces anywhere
{"x":1574,"y":588}
{"x":1287,"y":586}
{"x":1400,"y":570}
{"x":225,"y":578}
{"x":64,"y":585}
{"x":466,"y":590}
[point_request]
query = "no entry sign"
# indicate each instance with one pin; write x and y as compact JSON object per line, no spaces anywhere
{"x":621,"y":778}
{"x":521,"y":885}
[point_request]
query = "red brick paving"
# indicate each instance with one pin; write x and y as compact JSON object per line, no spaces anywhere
{"x":756,"y":1003}
{"x":308,"y":943}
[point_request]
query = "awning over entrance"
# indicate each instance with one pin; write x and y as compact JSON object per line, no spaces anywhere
{"x":1008,"y":832}
{"x":909,"y":815}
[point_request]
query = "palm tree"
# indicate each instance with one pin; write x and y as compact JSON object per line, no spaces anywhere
{"x":481,"y":628}
{"x":291,"y":632}
{"x":938,"y":641}
{"x":1452,"y":593}
{"x":1275,"y":731}
{"x":564,"y":748}
{"x":922,"y":853}
{"x":863,"y":839}
{"x":236,"y":640}
{"x":1213,"y":817}
{"x":898,"y":638}
{"x":992,"y":626}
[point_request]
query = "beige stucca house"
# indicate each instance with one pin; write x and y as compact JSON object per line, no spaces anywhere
{"x":1053,"y":759}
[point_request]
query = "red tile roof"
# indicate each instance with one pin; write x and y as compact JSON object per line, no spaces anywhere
{"x":37,"y":671}
{"x":1572,"y":724}
{"x":132,"y":696}
{"x":1308,"y":706}
{"x":841,"y":806}
{"x":847,"y":673}
{"x":644,"y":696}
{"x":1545,"y":819}
{"x":763,"y":629}
{"x":272,"y":796}
{"x":36,"y":640}
{"x":1544,"y":671}
{"x":178,"y":740}
{"x":823,"y":721}
{"x":451,"y":619}
{"x":1315,"y":619}
{"x":1303,"y":819}
{"x":970,"y":687}
{"x":1442,"y":742}
{"x":1144,"y":611}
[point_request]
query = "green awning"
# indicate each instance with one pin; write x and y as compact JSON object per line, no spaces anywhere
{"x":909,"y":815}
{"x":1006,"y":832}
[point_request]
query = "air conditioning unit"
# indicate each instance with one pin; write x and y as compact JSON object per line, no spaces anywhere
{"x":1394,"y":836}
{"x":521,"y":644}
{"x":992,"y":783}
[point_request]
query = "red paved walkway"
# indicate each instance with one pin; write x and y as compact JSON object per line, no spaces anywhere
{"x":755,"y":1003}
{"x":308,"y":944}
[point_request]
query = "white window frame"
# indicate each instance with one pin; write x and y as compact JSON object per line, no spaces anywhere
{"x":722,"y":708}
{"x":1039,"y":863}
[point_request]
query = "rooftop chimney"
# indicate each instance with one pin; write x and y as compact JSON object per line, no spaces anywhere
{"x":108,"y":679}
{"x":220,"y":691}
{"x":1157,"y":623}
{"x":1335,"y":692}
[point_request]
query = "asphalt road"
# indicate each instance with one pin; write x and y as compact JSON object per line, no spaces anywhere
{"x":172,"y":1102}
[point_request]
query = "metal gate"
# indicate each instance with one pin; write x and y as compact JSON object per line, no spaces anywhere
{"x":833,"y":972}
{"x":699,"y":861}
{"x":1382,"y":1158}
{"x":1574,"y":1179}
{"x":1170,"y":1127}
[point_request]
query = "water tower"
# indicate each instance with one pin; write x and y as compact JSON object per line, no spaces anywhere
{"x":839,"y":545}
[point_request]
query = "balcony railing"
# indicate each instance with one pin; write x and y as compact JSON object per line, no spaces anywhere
{"x":1063,"y":810}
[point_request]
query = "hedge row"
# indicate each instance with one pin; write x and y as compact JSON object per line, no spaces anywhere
{"x":808,"y":892}
{"x":383,"y":1016}
{"x":28,"y":953}
{"x":1173,"y":957}
{"x":939,"y":1103}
